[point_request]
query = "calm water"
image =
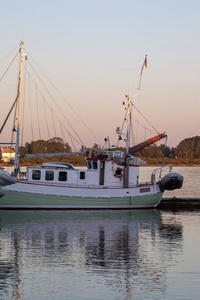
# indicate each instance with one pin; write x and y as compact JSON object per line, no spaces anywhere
{"x":142,"y":254}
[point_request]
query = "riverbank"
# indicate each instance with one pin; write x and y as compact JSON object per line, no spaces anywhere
{"x":80,"y":161}
{"x":177,"y":162}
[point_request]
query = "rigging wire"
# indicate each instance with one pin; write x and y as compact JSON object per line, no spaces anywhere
{"x":30,"y":107}
{"x":63,"y":98}
{"x":9,"y":67}
{"x":6,"y":57}
{"x":14,"y":120}
{"x":51,"y":145}
{"x":37,"y":112}
{"x":122,"y":127}
{"x":69,"y":134}
{"x":79,"y":142}
{"x":61,"y":130}
{"x":131,"y":126}
{"x":144,"y":118}
{"x":57,"y":107}
{"x":143,"y":126}
{"x":4,"y":123}
{"x":54,"y":127}
{"x":46,"y":117}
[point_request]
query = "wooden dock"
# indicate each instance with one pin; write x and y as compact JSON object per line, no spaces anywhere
{"x":179,"y":203}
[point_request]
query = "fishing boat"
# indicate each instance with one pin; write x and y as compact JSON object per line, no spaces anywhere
{"x":110,"y":180}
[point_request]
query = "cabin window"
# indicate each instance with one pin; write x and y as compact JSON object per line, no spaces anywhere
{"x":95,"y":166}
{"x":36,"y":174}
{"x":82,"y":175}
{"x":49,"y":175}
{"x":89,"y":165}
{"x":62,"y":176}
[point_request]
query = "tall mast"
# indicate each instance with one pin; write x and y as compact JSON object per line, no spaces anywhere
{"x":126,"y":165}
{"x":128,"y":124}
{"x":16,"y":164}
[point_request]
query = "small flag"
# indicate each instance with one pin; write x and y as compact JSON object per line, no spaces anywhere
{"x":145,"y":61}
{"x":144,"y":65}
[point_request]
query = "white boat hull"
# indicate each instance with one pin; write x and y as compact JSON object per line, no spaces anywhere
{"x":39,"y":196}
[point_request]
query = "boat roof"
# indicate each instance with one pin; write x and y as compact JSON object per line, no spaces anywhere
{"x":57,"y":165}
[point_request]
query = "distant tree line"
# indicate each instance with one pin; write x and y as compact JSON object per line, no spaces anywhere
{"x":155,"y":151}
{"x":187,"y":148}
{"x":54,"y":145}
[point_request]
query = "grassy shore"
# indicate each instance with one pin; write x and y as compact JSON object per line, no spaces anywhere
{"x":181,"y":162}
{"x":80,"y":161}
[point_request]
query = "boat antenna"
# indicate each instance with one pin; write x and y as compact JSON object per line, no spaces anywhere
{"x":142,"y":68}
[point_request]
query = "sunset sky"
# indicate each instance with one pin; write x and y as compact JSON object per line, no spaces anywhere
{"x":93,"y":52}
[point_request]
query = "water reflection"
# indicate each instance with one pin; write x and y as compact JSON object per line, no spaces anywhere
{"x":125,"y":252}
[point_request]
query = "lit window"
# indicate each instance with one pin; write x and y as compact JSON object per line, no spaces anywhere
{"x":49,"y":175}
{"x":36,"y":174}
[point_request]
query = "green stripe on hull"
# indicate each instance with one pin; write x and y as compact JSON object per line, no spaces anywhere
{"x":19,"y":200}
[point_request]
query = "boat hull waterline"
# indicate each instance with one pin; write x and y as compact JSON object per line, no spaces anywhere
{"x":13,"y":199}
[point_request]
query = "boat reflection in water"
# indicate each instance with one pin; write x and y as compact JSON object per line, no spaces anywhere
{"x":76,"y":253}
